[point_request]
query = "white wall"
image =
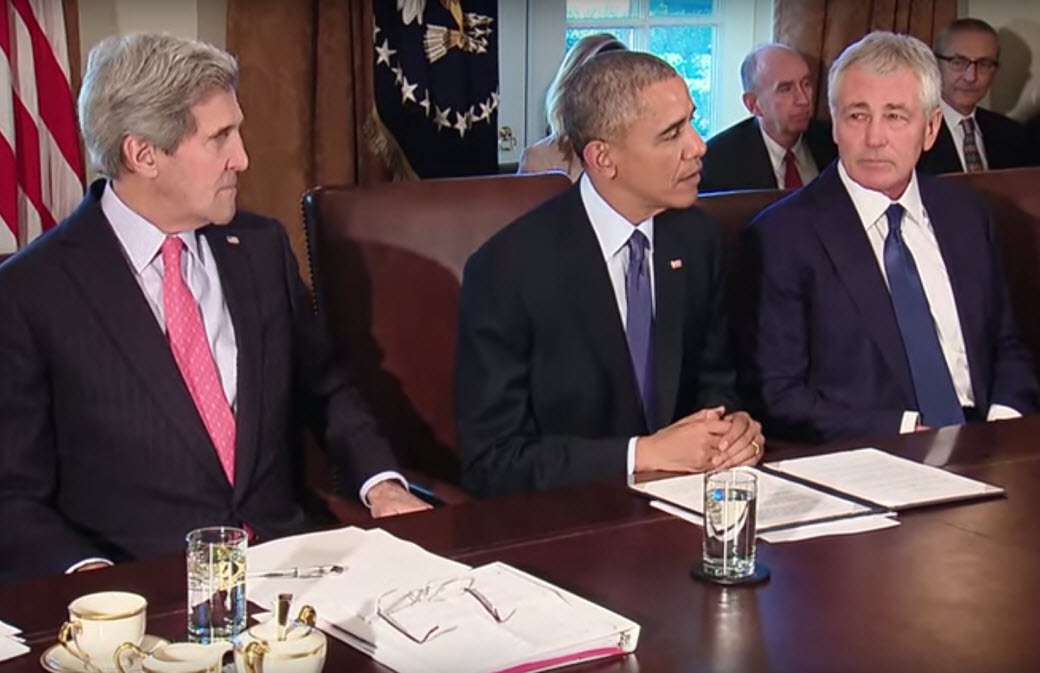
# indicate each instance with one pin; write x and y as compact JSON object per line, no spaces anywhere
{"x":1016,"y":89}
{"x":200,"y":19}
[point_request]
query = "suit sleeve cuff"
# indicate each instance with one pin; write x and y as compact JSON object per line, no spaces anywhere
{"x":999,"y":412}
{"x":79,"y":564}
{"x":631,"y":460}
{"x":379,"y":478}
{"x":909,"y":422}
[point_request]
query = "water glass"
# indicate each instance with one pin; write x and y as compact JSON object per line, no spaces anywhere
{"x":216,"y":583}
{"x":729,"y":524}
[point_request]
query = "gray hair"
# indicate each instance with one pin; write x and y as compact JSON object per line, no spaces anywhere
{"x":604,"y":96}
{"x":579,"y":55}
{"x":884,"y":53}
{"x":145,"y":85}
{"x":749,"y":67}
{"x":965,"y":25}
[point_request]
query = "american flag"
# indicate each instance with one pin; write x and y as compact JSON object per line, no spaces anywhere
{"x":41,"y":164}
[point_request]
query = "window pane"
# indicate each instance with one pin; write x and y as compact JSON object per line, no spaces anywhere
{"x":689,"y":50}
{"x":599,"y":9}
{"x":681,"y":7}
{"x":624,"y":35}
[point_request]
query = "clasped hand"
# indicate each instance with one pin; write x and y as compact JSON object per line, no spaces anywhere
{"x":706,"y":441}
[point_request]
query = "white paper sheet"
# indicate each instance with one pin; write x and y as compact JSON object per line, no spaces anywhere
{"x":780,"y":502}
{"x":890,"y":481}
{"x":11,"y":648}
{"x":8,"y":629}
{"x":859,"y":524}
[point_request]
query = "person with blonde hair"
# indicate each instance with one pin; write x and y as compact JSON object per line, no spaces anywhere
{"x":555,"y":152}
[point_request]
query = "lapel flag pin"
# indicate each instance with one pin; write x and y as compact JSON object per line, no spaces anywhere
{"x":233,"y":240}
{"x":676,"y":264}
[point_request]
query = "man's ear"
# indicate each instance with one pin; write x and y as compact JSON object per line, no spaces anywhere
{"x":751,"y":102}
{"x":598,"y":159}
{"x":140,"y":156}
{"x":931,"y":128}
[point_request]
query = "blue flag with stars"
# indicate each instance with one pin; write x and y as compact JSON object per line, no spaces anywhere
{"x":436,"y":83}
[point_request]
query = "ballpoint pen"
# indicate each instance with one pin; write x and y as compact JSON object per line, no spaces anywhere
{"x":307,"y":572}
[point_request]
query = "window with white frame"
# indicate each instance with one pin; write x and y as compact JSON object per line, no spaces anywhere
{"x":684,"y":33}
{"x":704,"y":39}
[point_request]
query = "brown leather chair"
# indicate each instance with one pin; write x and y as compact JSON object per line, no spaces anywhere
{"x":387,"y":265}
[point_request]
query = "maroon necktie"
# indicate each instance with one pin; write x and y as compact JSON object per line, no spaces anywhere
{"x":792,"y":179}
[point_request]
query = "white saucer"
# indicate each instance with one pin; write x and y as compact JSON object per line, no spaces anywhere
{"x":57,"y":659}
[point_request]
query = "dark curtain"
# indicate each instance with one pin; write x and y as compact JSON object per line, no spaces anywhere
{"x":821,"y":29}
{"x":306,"y":91}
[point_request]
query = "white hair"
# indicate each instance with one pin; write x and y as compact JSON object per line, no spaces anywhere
{"x":145,"y":85}
{"x":884,"y":53}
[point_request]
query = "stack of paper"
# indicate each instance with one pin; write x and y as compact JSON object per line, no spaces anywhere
{"x":414,"y":611}
{"x":889,"y":481}
{"x":11,"y":644}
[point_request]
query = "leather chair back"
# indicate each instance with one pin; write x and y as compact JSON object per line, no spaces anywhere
{"x":387,"y":264}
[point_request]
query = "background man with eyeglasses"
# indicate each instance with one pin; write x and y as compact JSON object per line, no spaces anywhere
{"x":972,"y":138}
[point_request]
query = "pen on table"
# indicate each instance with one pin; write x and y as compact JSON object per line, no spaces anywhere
{"x":299,"y":572}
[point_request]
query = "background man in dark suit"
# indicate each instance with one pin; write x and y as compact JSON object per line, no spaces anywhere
{"x":781,"y":145}
{"x":157,"y":349}
{"x":882,"y":305}
{"x":592,"y":336}
{"x":972,"y":138}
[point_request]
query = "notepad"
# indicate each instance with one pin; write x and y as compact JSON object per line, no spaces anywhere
{"x":11,"y":644}
{"x":882,"y":478}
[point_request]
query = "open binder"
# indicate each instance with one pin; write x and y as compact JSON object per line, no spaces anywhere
{"x":413,"y":611}
{"x":831,"y":487}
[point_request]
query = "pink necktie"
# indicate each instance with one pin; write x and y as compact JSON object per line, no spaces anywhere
{"x":194,"y":358}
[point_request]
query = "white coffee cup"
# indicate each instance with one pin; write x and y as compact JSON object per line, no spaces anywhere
{"x":99,"y":623}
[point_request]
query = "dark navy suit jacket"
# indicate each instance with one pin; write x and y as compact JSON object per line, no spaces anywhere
{"x":827,"y":357}
{"x":102,"y":452}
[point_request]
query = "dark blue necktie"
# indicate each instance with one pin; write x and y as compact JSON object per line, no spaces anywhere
{"x":639,"y":325}
{"x":936,"y":398}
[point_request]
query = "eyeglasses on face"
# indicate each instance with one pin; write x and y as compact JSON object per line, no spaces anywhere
{"x":960,"y":63}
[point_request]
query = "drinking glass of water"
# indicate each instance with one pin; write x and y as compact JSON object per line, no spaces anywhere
{"x":216,"y":583}
{"x":730,"y":498}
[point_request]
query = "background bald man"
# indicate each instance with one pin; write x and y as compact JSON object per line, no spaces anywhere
{"x":781,"y":145}
{"x":972,"y":138}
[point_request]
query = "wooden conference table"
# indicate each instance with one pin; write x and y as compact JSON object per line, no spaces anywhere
{"x":954,"y":588}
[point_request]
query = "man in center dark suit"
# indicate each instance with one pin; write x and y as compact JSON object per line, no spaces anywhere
{"x":972,"y":138}
{"x":882,"y":305}
{"x":158,"y":352}
{"x":780,"y":146}
{"x":593,"y":339}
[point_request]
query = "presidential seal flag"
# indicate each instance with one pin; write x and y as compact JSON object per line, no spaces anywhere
{"x":41,"y":166}
{"x":436,"y":86}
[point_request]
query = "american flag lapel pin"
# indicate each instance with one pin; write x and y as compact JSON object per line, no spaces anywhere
{"x":233,"y":240}
{"x":675,"y":264}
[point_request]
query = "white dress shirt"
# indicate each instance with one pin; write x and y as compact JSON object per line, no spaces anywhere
{"x":953,"y":119}
{"x":919,"y":237}
{"x":803,"y":159}
{"x":613,"y":231}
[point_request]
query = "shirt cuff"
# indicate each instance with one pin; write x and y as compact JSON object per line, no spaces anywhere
{"x":999,"y":412}
{"x":379,"y":478}
{"x":631,"y":460}
{"x":79,"y":564}
{"x":909,"y":422}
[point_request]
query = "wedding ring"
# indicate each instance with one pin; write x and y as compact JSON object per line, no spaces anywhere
{"x":758,"y":449}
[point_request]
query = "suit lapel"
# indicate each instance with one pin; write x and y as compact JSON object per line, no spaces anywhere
{"x":759,"y":163}
{"x":230,"y":249}
{"x":960,"y":258}
{"x":669,"y":316}
{"x":586,"y":279}
{"x":846,"y":242}
{"x":96,"y":263}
